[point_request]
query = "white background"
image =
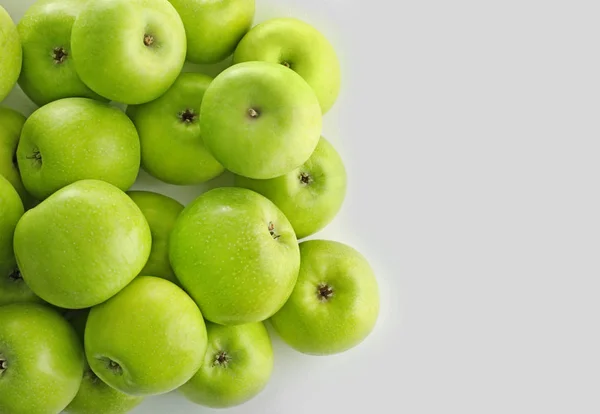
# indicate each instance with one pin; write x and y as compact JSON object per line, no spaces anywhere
{"x":470,"y":132}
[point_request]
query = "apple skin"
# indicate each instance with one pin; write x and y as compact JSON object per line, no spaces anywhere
{"x":311,"y":195}
{"x":315,"y":323}
{"x":237,"y":366}
{"x":94,"y":396}
{"x":111,"y":56}
{"x":12,"y":287}
{"x":44,"y":360}
{"x":48,"y":72}
{"x":260,"y":120}
{"x":236,"y":254}
{"x":170,"y":136}
{"x":75,"y":139}
{"x":11,"y":56}
{"x":161,"y":212}
{"x":11,"y":211}
{"x":157,"y":348}
{"x":11,"y":124}
{"x":214,"y":28}
{"x":82,"y":245}
{"x":299,"y":46}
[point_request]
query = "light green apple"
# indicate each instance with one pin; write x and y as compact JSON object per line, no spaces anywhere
{"x":161,"y":212}
{"x":130,"y":51}
{"x":75,"y":139}
{"x":94,"y":396}
{"x":214,"y":28}
{"x":41,"y":360}
{"x":300,"y":47}
{"x":169,"y":129}
{"x":335,"y":303}
{"x":236,"y":254}
{"x":156,"y":348}
{"x":11,"y":56}
{"x":237,"y":366}
{"x":311,"y":195}
{"x":82,"y":244}
{"x":260,"y":120}
{"x":11,"y":124}
{"x":48,"y":72}
{"x":12,"y":287}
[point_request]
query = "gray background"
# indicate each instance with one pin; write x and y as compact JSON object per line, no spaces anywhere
{"x":469,"y":129}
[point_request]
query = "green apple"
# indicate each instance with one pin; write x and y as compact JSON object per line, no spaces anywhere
{"x":94,"y":396}
{"x":214,"y":28}
{"x":11,"y":56}
{"x":11,"y":211}
{"x":12,"y":287}
{"x":157,"y":347}
{"x":75,"y":139}
{"x":237,"y":366}
{"x":311,"y":195}
{"x":300,"y":47}
{"x":41,"y":360}
{"x":260,"y":120}
{"x":11,"y":124}
{"x":161,"y":212}
{"x":82,"y":244}
{"x":335,"y":303}
{"x":48,"y":72}
{"x":169,"y":129}
{"x":236,"y":254}
{"x":130,"y":51}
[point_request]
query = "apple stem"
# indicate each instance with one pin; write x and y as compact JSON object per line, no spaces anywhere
{"x":188,"y":116}
{"x":253,"y":113}
{"x":112,"y":365}
{"x":286,"y":64}
{"x":272,"y":231}
{"x":15,"y":275}
{"x":324,"y":292}
{"x":148,"y":40}
{"x":222,"y":359}
{"x":3,"y":364}
{"x":35,"y":156}
{"x":59,"y":55}
{"x":305,"y":178}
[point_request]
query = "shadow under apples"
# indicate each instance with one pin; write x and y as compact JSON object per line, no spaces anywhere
{"x":209,"y":69}
{"x":185,"y":194}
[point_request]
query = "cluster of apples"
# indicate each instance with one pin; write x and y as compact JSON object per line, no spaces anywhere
{"x":109,"y":295}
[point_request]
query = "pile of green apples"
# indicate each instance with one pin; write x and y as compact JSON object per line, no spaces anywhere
{"x":109,"y":295}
